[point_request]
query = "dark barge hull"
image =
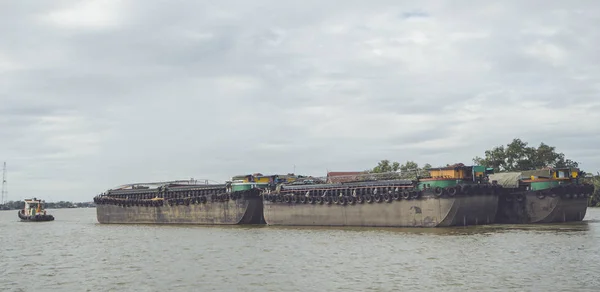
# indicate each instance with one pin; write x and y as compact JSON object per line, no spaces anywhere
{"x":229,"y":212}
{"x":37,"y":218}
{"x":425,"y":211}
{"x":180,"y":204}
{"x":528,"y":208}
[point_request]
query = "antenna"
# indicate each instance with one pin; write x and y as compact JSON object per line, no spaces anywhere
{"x":4,"y":191}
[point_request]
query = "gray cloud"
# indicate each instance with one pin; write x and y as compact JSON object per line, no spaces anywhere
{"x":97,"y":94}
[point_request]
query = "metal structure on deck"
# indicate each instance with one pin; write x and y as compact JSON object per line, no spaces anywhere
{"x":191,"y":182}
{"x":4,"y":190}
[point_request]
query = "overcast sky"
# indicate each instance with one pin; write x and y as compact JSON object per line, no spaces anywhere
{"x":94,"y":94}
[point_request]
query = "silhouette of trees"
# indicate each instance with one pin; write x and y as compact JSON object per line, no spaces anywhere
{"x":517,"y":156}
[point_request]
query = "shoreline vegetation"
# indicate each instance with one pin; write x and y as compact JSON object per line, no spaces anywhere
{"x":18,"y":205}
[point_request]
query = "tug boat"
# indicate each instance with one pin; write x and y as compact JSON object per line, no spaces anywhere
{"x":34,"y":211}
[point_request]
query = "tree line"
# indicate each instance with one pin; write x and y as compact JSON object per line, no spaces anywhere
{"x":18,"y":205}
{"x":515,"y":156}
{"x":518,"y":156}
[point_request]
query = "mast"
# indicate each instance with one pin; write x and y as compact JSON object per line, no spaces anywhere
{"x":4,"y":191}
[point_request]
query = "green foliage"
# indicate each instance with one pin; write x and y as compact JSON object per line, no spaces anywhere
{"x":408,"y":166}
{"x":408,"y":170}
{"x":518,"y":156}
{"x":594,"y":200}
{"x":386,"y":166}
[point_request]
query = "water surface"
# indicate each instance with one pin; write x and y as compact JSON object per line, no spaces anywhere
{"x":75,"y":253}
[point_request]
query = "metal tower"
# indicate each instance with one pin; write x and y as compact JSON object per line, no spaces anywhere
{"x":4,"y":191}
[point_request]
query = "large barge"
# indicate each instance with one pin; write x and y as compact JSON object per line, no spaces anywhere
{"x":457,"y":195}
{"x":180,"y":202}
{"x":542,"y":196}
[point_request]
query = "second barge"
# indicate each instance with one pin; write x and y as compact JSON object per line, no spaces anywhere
{"x":457,"y":195}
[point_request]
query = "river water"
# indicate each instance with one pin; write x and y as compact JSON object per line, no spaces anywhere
{"x":75,"y":253}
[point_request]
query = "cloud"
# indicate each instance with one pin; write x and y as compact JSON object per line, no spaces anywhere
{"x":86,"y":15}
{"x":101,"y":93}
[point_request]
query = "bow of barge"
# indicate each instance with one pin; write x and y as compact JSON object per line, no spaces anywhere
{"x":542,"y":196}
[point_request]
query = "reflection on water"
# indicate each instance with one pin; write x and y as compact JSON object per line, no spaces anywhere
{"x":460,"y":230}
{"x":75,"y":253}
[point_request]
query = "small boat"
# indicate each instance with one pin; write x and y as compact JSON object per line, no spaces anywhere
{"x":34,"y":211}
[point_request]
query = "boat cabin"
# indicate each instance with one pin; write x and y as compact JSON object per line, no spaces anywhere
{"x":559,"y":174}
{"x":268,"y":179}
{"x":462,"y":172}
{"x":565,"y":173}
{"x":34,"y":207}
{"x":258,"y":180}
{"x":538,"y":179}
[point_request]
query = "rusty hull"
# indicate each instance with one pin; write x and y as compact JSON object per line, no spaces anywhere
{"x":535,"y":210}
{"x":241,"y":211}
{"x":427,"y":211}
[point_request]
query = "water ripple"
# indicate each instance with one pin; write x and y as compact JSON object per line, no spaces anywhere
{"x":74,"y":253}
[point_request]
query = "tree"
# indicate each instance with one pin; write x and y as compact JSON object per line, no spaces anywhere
{"x":518,"y":156}
{"x":387,"y":166}
{"x":408,"y":166}
{"x":408,"y":170}
{"x":395,"y":166}
{"x":384,"y":166}
{"x":495,"y":158}
{"x":594,"y":200}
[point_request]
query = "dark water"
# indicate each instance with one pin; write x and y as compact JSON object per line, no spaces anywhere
{"x":74,"y":253}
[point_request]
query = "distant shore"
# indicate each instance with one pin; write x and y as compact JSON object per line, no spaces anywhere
{"x":18,"y":205}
